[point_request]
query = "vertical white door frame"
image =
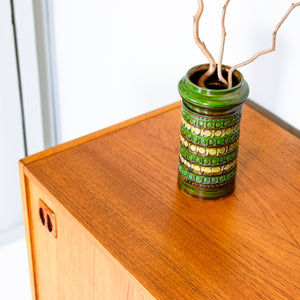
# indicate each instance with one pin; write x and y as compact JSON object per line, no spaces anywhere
{"x":45,"y":41}
{"x":33,"y":19}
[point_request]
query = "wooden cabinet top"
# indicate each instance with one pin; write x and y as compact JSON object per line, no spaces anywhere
{"x":121,"y":185}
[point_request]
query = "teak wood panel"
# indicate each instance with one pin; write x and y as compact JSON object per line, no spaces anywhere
{"x":73,"y":265}
{"x":44,"y":247}
{"x":24,"y":182}
{"x":121,"y":188}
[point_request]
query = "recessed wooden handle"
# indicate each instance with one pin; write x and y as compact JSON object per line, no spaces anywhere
{"x":47,"y":217}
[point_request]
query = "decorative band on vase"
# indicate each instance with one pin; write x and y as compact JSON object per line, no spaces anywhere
{"x":202,"y":121}
{"x":208,"y":160}
{"x":205,"y":181}
{"x":208,"y":151}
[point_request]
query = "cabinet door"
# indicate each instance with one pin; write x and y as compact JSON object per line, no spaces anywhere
{"x":68,"y":263}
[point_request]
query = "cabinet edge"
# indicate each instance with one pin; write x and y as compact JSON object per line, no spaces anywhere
{"x":84,"y":139}
{"x":24,"y":196}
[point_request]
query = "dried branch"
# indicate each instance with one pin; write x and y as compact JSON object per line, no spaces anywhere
{"x":201,"y":45}
{"x":263,"y":51}
{"x":220,"y":76}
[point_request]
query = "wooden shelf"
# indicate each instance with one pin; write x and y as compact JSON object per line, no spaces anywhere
{"x":125,"y":231}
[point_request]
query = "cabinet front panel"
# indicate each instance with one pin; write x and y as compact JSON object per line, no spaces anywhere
{"x":44,"y":245}
{"x":69,"y":263}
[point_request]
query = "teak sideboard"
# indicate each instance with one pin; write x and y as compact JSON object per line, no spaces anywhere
{"x":104,"y":218}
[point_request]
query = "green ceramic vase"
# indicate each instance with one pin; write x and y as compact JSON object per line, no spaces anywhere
{"x":210,"y":129}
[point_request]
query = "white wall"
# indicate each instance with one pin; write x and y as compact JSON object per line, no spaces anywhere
{"x":11,"y":137}
{"x":117,"y":59}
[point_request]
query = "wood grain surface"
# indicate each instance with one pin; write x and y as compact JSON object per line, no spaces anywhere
{"x":74,"y":266}
{"x":121,"y":188}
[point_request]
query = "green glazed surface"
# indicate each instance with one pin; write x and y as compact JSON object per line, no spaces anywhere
{"x":197,"y":97}
{"x":206,"y":160}
{"x":210,"y":128}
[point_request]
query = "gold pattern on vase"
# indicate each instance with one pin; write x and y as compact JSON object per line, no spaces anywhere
{"x":209,"y":151}
{"x":209,"y":132}
{"x":216,"y":170}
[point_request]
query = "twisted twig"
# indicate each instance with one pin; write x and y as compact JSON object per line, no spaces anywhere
{"x":220,"y":76}
{"x":263,"y":51}
{"x":201,"y":45}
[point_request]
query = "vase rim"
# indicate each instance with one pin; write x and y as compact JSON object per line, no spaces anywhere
{"x":213,"y":99}
{"x":204,"y":67}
